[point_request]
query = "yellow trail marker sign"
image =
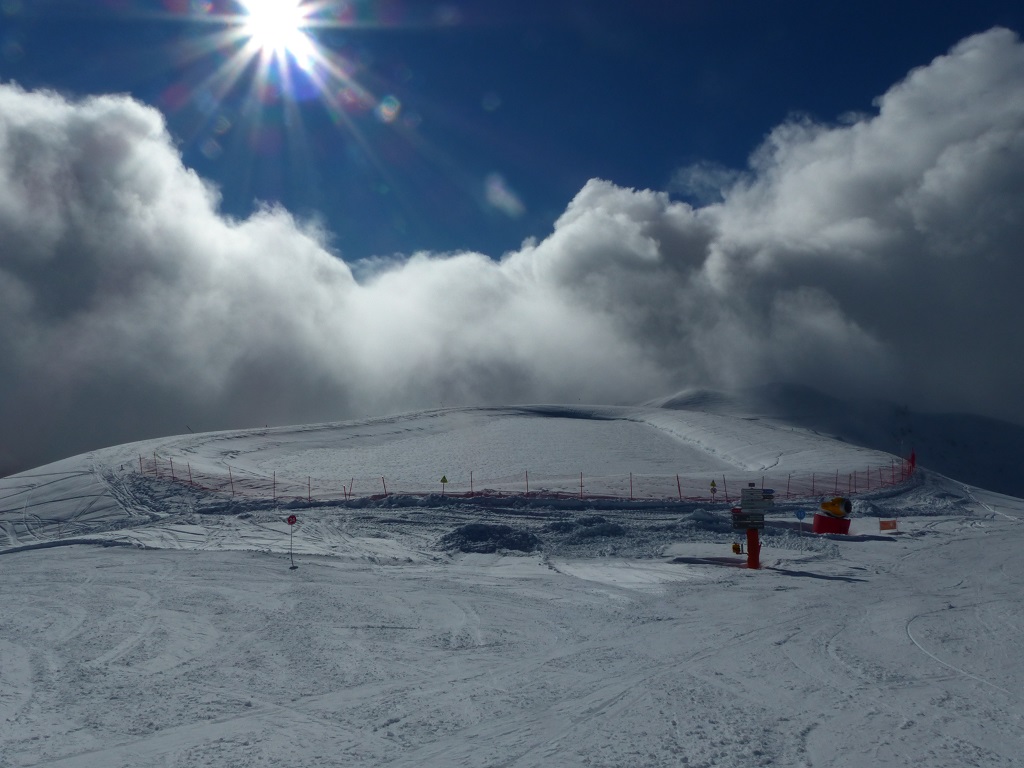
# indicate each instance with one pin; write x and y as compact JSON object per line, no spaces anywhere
{"x":444,"y":479}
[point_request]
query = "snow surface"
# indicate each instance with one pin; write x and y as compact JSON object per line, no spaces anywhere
{"x":150,"y":623}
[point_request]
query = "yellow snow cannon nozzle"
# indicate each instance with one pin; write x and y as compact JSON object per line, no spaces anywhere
{"x":838,"y":507}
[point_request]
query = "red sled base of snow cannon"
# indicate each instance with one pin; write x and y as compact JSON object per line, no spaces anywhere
{"x":829,"y":524}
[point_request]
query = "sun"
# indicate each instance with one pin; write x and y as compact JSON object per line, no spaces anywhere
{"x":277,"y":28}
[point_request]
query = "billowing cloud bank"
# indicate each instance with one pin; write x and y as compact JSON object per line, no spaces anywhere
{"x":881,"y":257}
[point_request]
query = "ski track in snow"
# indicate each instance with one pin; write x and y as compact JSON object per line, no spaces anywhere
{"x":197,"y":646}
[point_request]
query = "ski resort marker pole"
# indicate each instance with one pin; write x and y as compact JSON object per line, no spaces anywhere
{"x":292,"y":520}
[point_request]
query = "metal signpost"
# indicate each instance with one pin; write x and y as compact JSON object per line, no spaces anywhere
{"x":750,"y":516}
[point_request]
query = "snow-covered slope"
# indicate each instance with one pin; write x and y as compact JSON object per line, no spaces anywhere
{"x":618,"y":633}
{"x":973,"y":449}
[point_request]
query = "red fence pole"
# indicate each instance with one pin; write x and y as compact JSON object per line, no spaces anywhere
{"x":386,"y":487}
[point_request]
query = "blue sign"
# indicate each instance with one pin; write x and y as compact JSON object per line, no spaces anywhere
{"x":800,"y":514}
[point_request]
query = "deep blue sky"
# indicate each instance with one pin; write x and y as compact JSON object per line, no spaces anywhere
{"x":545,"y":94}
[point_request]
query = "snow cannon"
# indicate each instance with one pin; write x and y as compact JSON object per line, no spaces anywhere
{"x":835,"y":519}
{"x":838,"y":507}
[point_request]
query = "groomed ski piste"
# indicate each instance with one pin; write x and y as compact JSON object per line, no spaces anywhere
{"x":149,"y":621}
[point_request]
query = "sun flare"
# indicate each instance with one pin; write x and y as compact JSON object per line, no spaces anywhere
{"x":277,"y":27}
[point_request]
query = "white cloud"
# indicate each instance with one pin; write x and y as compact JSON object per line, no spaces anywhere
{"x":881,"y":256}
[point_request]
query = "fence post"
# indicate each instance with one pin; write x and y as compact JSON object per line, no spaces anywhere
{"x":527,"y":482}
{"x":275,"y":485}
{"x":351,"y":483}
{"x":173,"y":478}
{"x":581,"y":485}
{"x":630,"y":486}
{"x":231,"y":479}
{"x":679,"y":487}
{"x":309,"y":489}
{"x":386,"y":486}
{"x":471,"y":494}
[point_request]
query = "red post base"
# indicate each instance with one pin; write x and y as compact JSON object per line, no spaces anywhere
{"x":753,"y":549}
